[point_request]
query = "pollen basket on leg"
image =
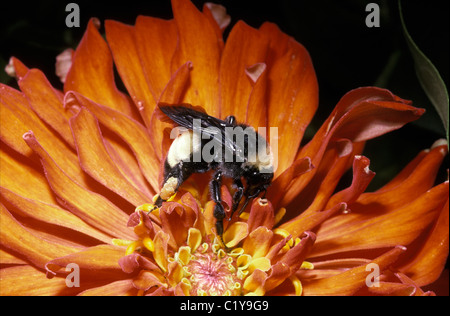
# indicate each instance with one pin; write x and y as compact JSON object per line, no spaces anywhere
{"x":169,"y":188}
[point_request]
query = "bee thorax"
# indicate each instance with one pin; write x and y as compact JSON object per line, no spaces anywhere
{"x":182,"y":147}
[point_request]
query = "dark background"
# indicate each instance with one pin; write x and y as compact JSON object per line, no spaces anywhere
{"x":345,"y":52}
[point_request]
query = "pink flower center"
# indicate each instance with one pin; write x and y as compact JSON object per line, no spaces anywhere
{"x":211,"y":275}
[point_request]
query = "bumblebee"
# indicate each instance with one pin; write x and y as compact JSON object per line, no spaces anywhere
{"x":229,"y":149}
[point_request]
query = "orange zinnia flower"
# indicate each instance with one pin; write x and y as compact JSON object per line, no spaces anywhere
{"x":79,"y":169}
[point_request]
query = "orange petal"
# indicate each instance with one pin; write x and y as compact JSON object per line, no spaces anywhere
{"x":363,"y":122}
{"x":261,"y":214}
{"x":430,"y":260}
{"x":217,"y":14}
{"x":96,"y":161}
{"x":279,"y":273}
{"x":362,"y":176}
{"x":397,"y":193}
{"x":405,"y":173}
{"x":160,"y":254}
{"x":361,"y":114}
{"x":419,"y":176}
{"x":122,"y":41}
{"x":175,"y":273}
{"x":310,"y":219}
{"x":156,"y":41}
{"x":257,"y":243}
{"x":172,"y":94}
{"x":320,"y":189}
{"x":350,"y":281}
{"x":210,"y":221}
{"x":50,"y":214}
{"x":392,"y":289}
{"x":117,"y":288}
{"x":97,"y":261}
{"x":355,"y":231}
{"x":282,"y":182}
{"x":93,"y":208}
{"x":394,"y":195}
{"x":19,"y":119}
{"x":320,"y":183}
{"x":278,"y":245}
{"x":28,"y":281}
{"x":198,"y":43}
{"x":255,"y":282}
{"x":408,"y":281}
{"x":30,"y":247}
{"x":293,"y":92}
{"x":245,"y":46}
{"x":16,"y":68}
{"x":10,"y":259}
{"x":92,"y":73}
{"x":175,"y":222}
{"x":173,"y":91}
{"x":145,"y":280}
{"x":47,"y":102}
{"x":257,"y":102}
{"x":134,"y":261}
{"x":16,"y":119}
{"x":129,"y":130}
{"x":295,"y":256}
{"x":125,"y":160}
{"x":194,"y":216}
{"x":235,"y":233}
{"x":34,"y":185}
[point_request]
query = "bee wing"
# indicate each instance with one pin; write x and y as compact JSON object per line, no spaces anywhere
{"x":185,"y":114}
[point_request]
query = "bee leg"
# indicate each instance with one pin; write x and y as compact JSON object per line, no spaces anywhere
{"x":174,"y":177}
{"x":157,"y":204}
{"x":230,"y":120}
{"x":237,"y":197}
{"x":219,"y":212}
{"x":248,"y":197}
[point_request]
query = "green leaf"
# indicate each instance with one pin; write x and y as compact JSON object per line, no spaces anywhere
{"x":429,"y":77}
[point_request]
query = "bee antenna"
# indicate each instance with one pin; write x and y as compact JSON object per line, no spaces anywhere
{"x":247,"y":199}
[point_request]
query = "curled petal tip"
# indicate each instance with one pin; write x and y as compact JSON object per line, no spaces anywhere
{"x":400,"y":247}
{"x":63,"y":63}
{"x":219,"y":14}
{"x":71,"y":102}
{"x":255,"y":71}
{"x":28,"y":135}
{"x":440,"y":142}
{"x":10,"y":69}
{"x":310,"y":235}
{"x":96,"y":22}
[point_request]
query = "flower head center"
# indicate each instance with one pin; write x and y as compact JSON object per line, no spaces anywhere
{"x":211,"y":275}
